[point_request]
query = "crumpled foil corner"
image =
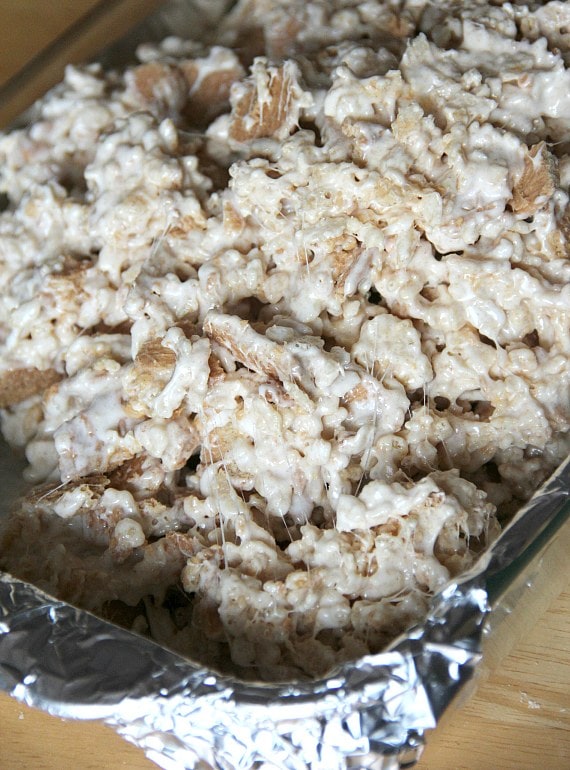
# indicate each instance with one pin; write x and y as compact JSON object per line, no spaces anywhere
{"x":368,"y":714}
{"x":372,"y":713}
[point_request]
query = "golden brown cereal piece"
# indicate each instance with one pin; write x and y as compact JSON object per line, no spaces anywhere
{"x":217,"y":371}
{"x":154,"y":356}
{"x":217,"y":447}
{"x":255,"y":116}
{"x":209,"y":96}
{"x":97,"y":483}
{"x":129,"y":474}
{"x":537,"y":183}
{"x":344,"y":258}
{"x":147,"y":78}
{"x":564,"y":230}
{"x":359,"y":394}
{"x":188,"y":326}
{"x":71,"y":268}
{"x":190,"y":442}
{"x":17,"y":385}
{"x":399,"y":25}
{"x":253,"y":350}
{"x":233,"y":221}
{"x":160,"y":84}
{"x":152,"y":369}
{"x":219,"y":444}
{"x":186,"y":545}
{"x":67,"y":282}
{"x":183,"y":227}
{"x":391,"y":527}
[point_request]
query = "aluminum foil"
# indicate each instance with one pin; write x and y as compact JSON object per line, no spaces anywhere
{"x":372,"y":714}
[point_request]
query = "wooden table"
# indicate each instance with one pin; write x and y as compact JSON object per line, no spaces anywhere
{"x":520,"y":717}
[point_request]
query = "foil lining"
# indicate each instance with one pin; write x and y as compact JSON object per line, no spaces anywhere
{"x":373,"y":713}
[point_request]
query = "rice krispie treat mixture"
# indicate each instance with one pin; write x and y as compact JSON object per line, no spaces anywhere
{"x":285,"y":321}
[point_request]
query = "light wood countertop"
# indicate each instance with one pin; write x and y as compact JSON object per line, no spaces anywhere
{"x":519,"y":718}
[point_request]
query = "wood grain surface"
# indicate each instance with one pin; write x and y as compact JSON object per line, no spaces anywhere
{"x":39,"y":37}
{"x":519,"y":719}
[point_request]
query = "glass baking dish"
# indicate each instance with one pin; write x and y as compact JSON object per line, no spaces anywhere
{"x":483,"y":615}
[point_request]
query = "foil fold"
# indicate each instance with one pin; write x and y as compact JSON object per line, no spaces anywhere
{"x":372,"y":713}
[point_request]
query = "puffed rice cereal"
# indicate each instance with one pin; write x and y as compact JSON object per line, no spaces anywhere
{"x":285,"y":321}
